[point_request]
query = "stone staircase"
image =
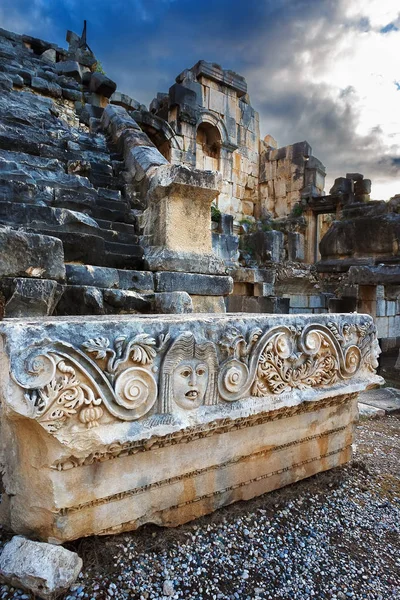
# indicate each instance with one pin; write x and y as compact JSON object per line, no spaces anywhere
{"x":61,"y":178}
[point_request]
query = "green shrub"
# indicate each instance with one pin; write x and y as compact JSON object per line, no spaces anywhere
{"x":215,"y":214}
{"x":297,"y":210}
{"x":98,"y":68}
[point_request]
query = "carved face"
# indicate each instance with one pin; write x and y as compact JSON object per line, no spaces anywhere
{"x":190,"y":381}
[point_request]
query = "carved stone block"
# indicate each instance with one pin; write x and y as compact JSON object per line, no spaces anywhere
{"x":107,"y":424}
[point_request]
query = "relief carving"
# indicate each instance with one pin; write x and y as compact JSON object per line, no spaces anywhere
{"x":62,"y":382}
{"x":287,"y":358}
{"x":188,"y":375}
{"x":64,"y":396}
{"x":119,"y":378}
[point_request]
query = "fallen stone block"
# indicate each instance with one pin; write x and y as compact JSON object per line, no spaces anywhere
{"x":46,"y":87}
{"x":139,"y":159}
{"x":369,"y":412}
{"x":102,"y":85}
{"x":108,"y":423}
{"x":45,"y":570}
{"x":126,"y":301}
{"x":102,"y":277}
{"x":125,"y":101}
{"x":386,"y":399}
{"x":69,"y":68}
{"x":81,"y":300}
{"x":208,"y":304}
{"x":157,"y":258}
{"x":29,"y":297}
{"x":138,"y":281}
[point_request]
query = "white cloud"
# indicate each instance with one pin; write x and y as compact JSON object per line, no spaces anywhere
{"x":379,"y":12}
{"x":339,"y":79}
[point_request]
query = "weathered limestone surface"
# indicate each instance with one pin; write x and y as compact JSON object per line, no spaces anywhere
{"x":44,"y":569}
{"x":114,"y":422}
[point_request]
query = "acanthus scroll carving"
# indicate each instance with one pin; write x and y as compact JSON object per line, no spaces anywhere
{"x":287,"y":358}
{"x":103,"y":379}
{"x":62,"y":381}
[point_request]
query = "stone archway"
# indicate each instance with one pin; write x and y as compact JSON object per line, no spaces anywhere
{"x":208,"y":147}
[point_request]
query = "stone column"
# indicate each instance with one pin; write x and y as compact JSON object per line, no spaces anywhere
{"x":311,"y":236}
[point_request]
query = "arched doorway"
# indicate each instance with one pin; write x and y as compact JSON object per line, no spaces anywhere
{"x":208,"y":147}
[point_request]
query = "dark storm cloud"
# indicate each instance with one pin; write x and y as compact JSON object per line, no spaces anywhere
{"x":275,"y":44}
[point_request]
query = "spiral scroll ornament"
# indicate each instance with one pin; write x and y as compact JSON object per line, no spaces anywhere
{"x":352,"y":359}
{"x":136,"y":390}
{"x":233,"y":378}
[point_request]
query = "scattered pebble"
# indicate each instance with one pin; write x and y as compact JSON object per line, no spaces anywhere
{"x":334,"y":536}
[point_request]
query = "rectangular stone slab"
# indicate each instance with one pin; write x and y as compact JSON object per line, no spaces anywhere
{"x":109,"y":423}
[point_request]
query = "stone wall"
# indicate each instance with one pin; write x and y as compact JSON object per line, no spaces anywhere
{"x":286,"y":175}
{"x":216,"y":128}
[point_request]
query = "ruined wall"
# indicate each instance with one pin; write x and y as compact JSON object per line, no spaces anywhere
{"x":286,"y":174}
{"x":215,"y":128}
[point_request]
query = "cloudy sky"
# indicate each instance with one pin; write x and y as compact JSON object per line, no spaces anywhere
{"x":327,"y":71}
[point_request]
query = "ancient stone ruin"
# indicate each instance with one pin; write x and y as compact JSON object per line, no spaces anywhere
{"x":174,"y":290}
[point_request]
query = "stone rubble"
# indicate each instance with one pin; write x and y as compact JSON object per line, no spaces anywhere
{"x":43,"y":569}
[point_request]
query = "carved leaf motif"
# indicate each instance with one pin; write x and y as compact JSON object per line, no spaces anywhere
{"x":273,"y":374}
{"x":97,"y":346}
{"x":335,"y":331}
{"x":143,"y":349}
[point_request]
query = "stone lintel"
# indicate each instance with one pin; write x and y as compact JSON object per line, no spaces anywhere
{"x":193,"y":283}
{"x":245,"y":275}
{"x":111,"y":422}
{"x":341,"y":265}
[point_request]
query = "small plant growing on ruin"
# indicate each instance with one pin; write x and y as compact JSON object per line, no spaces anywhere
{"x":215,"y":214}
{"x":266,"y":227}
{"x":297,"y":210}
{"x":98,"y":68}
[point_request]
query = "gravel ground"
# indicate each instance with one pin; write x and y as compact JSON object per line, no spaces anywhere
{"x":335,"y":535}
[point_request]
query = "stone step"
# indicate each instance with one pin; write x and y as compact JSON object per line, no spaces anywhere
{"x":126,"y":228}
{"x":31,"y":216}
{"x":108,"y":214}
{"x":81,"y":247}
{"x":114,"y":236}
{"x":112,"y":204}
{"x":91,"y":300}
{"x":127,"y":249}
{"x":123,"y":261}
{"x":106,"y":277}
{"x":383,"y":399}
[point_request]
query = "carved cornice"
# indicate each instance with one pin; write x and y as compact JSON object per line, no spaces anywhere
{"x":237,"y":460}
{"x":191,"y":434}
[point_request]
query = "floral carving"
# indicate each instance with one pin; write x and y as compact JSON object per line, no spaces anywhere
{"x":65,"y":395}
{"x":141,"y":349}
{"x":287,"y":358}
{"x":274,"y":375}
{"x":136,"y":390}
{"x":62,"y":381}
{"x":104,"y":378}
